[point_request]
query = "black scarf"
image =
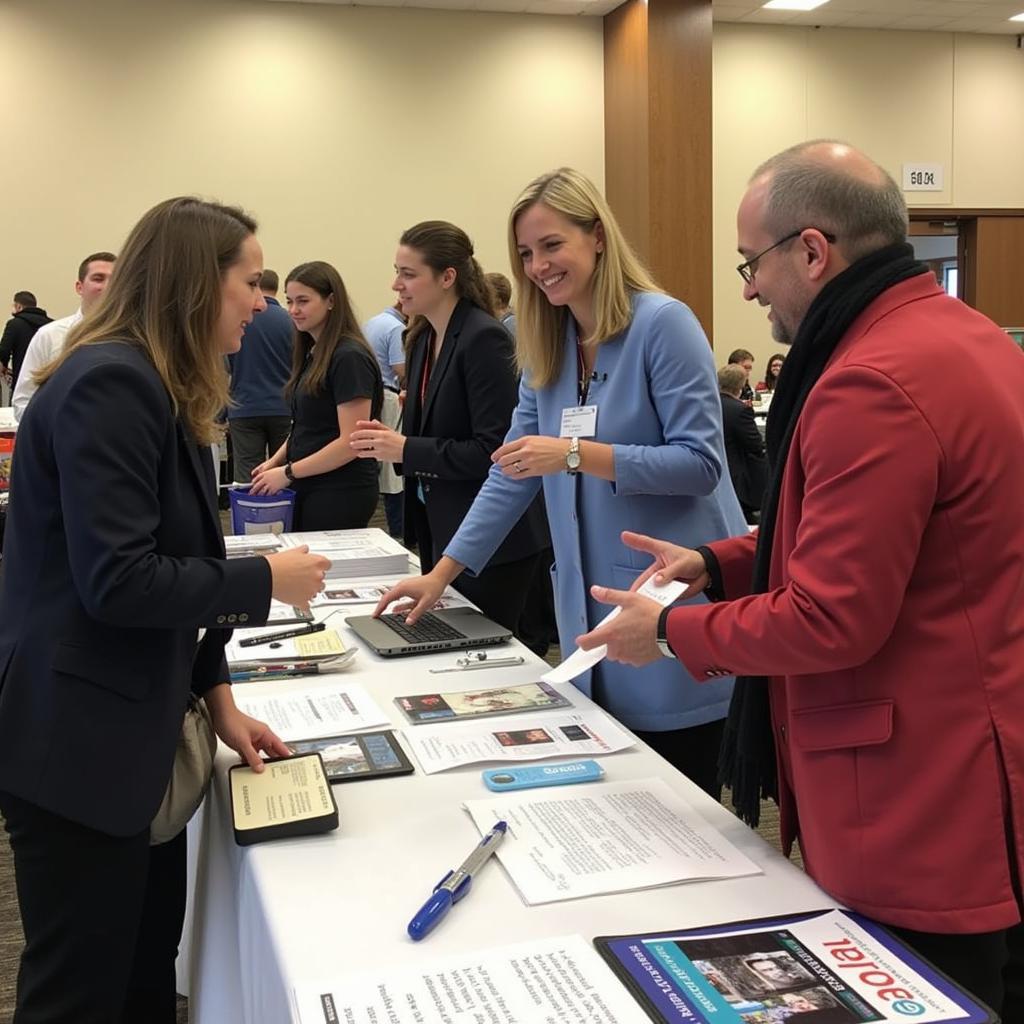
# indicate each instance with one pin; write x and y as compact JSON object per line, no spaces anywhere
{"x":747,"y":762}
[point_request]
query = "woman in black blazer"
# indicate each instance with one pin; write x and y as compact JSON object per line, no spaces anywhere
{"x":114,"y":562}
{"x":461,"y":390}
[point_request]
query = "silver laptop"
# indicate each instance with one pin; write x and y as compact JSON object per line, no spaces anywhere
{"x":448,"y":629}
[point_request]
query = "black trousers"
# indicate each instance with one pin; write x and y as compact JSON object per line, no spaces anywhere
{"x":990,"y":965}
{"x":500,"y":591}
{"x":253,"y":440}
{"x":332,"y":506}
{"x":693,"y":751}
{"x":102,"y":917}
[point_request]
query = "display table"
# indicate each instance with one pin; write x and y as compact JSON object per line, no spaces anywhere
{"x":265,"y":918}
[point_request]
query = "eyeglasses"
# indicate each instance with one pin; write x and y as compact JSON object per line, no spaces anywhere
{"x":749,"y":269}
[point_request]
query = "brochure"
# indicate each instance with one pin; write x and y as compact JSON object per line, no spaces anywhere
{"x":500,"y":700}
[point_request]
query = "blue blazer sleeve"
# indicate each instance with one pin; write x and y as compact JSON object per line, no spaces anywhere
{"x":680,"y":373}
{"x":501,"y":500}
{"x":110,"y":433}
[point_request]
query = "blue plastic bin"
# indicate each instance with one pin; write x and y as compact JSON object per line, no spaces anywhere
{"x":261,"y":513}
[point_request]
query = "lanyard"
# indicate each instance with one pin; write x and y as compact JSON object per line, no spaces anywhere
{"x":583,"y":379}
{"x":428,"y":366}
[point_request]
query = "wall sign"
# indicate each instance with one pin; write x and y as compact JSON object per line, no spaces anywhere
{"x":922,"y":178}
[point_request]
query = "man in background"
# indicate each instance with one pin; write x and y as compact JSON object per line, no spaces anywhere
{"x":384,"y":333}
{"x":27,"y":318}
{"x":502,"y":288}
{"x":259,"y":418}
{"x":745,"y":361}
{"x":93,"y":276}
{"x":744,"y":448}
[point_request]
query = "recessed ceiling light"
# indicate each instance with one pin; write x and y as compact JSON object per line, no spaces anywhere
{"x":1018,"y":17}
{"x":793,"y":5}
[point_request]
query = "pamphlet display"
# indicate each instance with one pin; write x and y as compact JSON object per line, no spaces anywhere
{"x":355,"y":553}
{"x":462,"y":704}
{"x":827,"y":967}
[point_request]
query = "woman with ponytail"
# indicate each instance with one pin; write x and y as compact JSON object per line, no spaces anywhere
{"x":461,"y":391}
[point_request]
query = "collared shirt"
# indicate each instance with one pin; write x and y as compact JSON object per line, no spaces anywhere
{"x":46,"y":344}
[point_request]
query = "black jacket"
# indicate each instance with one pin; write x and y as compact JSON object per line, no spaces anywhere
{"x":744,"y":449}
{"x":470,"y":395}
{"x":18,"y":333}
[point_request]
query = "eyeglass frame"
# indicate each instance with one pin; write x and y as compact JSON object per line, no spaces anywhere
{"x":744,"y":269}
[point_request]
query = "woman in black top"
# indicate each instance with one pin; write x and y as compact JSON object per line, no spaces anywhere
{"x":461,"y":390}
{"x":335,"y":382}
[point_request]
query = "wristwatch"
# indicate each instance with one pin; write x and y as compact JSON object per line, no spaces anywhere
{"x":662,"y":637}
{"x":572,"y":456}
{"x":289,"y":472}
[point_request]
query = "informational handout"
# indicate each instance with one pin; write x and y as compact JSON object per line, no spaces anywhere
{"x":556,"y":979}
{"x":320,"y":646}
{"x":306,"y":712}
{"x":527,"y":738}
{"x":606,"y":837}
{"x":579,"y":661}
{"x":355,"y":553}
{"x":371,"y":593}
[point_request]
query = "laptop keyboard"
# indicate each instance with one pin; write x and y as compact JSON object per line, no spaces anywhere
{"x":429,"y":629}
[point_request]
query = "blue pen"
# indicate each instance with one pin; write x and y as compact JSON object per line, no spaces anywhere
{"x":455,"y":885}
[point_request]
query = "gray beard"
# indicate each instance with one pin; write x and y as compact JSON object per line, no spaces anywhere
{"x":780,"y":332}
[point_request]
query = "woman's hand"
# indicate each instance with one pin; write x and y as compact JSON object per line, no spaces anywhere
{"x":296,"y":576}
{"x":372,"y":440}
{"x":421,"y":592}
{"x":246,"y":736}
{"x":534,"y":455}
{"x":269,"y":481}
{"x":262,"y":468}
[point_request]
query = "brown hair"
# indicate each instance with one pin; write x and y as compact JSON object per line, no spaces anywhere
{"x":340,"y":323}
{"x":501,"y":286}
{"x":443,"y":245}
{"x":165,"y":298}
{"x":96,"y":257}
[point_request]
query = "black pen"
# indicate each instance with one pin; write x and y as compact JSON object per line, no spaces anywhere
{"x":284,"y":634}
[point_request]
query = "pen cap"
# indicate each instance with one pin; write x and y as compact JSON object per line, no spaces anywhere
{"x":430,"y":914}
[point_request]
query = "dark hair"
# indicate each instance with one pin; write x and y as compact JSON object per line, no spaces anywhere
{"x":739,"y":354}
{"x":101,"y":257}
{"x":24,"y":299}
{"x":443,"y":245}
{"x":269,"y":281}
{"x":341,"y":323}
{"x":501,"y":286}
{"x":771,"y":379}
{"x":165,"y":298}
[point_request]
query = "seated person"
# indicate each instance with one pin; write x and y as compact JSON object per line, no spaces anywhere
{"x":771,"y":375}
{"x":745,"y":361}
{"x":744,"y":447}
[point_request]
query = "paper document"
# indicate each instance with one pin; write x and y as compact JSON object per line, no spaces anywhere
{"x":371,"y":593}
{"x":579,"y":661}
{"x":306,"y":712}
{"x":323,"y":645}
{"x":610,"y":837}
{"x":558,"y":979}
{"x":523,"y":738}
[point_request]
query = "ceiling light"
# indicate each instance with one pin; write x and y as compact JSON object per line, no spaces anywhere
{"x":792,"y":5}
{"x":1018,"y":17}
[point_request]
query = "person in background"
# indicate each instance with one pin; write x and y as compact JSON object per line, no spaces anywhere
{"x":461,"y":393}
{"x":744,"y":447}
{"x":502,"y":288}
{"x":48,"y":342}
{"x":384,"y":333}
{"x":25,"y":320}
{"x":878,"y":614}
{"x":258,"y":419}
{"x":114,"y":562}
{"x":771,"y":373}
{"x":745,"y":360}
{"x":335,"y":382}
{"x":619,"y":422}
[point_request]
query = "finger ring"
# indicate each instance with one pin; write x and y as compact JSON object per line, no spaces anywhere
{"x":518,"y":466}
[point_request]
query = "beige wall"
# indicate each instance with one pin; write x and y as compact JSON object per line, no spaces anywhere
{"x":336,"y":126}
{"x":901,"y":96}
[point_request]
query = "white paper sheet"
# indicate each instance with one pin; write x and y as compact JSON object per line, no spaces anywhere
{"x":557,"y":979}
{"x":321,"y":645}
{"x":307,"y":713}
{"x":605,"y":837}
{"x":531,"y":737}
{"x":579,"y":661}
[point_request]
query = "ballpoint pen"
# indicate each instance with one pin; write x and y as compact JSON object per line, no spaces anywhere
{"x":281,"y":634}
{"x":455,"y":885}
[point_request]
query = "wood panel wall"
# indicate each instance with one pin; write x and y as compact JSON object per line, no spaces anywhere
{"x":992,"y":265}
{"x":658,"y":140}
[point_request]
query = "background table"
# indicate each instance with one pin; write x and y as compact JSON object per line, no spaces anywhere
{"x":265,"y":918}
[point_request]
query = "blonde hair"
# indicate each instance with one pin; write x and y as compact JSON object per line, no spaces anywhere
{"x":540,"y":327}
{"x":164,"y":298}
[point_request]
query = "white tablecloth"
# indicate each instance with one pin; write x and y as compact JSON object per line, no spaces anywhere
{"x":263,"y":918}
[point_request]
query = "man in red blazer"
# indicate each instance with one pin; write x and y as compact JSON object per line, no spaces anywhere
{"x":884,"y":596}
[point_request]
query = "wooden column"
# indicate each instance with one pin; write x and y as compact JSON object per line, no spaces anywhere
{"x":657,"y":84}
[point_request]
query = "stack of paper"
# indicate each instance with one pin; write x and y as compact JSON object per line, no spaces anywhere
{"x":355,"y":553}
{"x":247,"y":545}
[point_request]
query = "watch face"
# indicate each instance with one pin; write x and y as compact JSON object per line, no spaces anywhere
{"x":572,"y":460}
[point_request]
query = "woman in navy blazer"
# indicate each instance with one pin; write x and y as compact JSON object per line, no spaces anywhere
{"x":461,"y":390}
{"x":114,"y":562}
{"x":594,"y":333}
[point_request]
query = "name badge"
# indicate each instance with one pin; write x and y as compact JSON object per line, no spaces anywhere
{"x":579,"y":421}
